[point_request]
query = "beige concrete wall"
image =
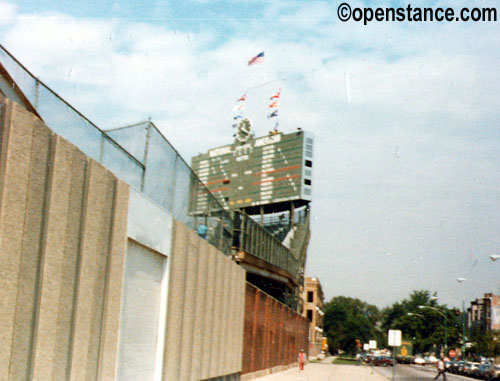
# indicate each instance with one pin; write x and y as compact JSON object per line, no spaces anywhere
{"x":63,"y":224}
{"x":205,"y":315}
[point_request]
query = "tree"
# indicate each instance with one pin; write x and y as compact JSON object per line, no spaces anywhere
{"x":424,"y":326}
{"x":347,"y":320}
{"x":484,"y":343}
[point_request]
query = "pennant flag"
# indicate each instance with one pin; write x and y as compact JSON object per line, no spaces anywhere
{"x":274,"y":104}
{"x":257,"y":59}
{"x":242,"y":98}
{"x":277,"y":95}
{"x":273,"y":114}
{"x":239,"y":107}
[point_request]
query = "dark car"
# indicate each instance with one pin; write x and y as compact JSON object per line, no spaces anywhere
{"x":382,"y":361}
{"x":369,"y":359}
{"x":460,"y":369}
{"x":453,"y":366}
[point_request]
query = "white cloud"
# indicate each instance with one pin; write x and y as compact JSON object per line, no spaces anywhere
{"x":8,"y":12}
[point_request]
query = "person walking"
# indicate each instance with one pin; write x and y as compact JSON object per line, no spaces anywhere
{"x":302,"y":359}
{"x":441,"y":368}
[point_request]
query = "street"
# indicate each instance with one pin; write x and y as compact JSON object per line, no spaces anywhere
{"x":417,"y":373}
{"x":326,"y":371}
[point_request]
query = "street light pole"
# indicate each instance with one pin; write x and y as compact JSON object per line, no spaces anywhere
{"x":463,"y":330}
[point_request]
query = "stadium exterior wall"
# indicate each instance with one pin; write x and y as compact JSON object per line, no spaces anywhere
{"x":63,"y":224}
{"x":69,"y":230}
{"x":273,"y":335}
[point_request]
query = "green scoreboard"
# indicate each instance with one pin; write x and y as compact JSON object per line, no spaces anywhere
{"x":265,"y":173}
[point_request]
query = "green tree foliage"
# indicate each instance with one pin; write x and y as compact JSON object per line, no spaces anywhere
{"x":484,"y":343}
{"x":347,"y":319}
{"x":425,"y":326}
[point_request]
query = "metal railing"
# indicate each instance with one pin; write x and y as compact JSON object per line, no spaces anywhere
{"x":256,"y":240}
{"x":142,"y":157}
{"x":138,"y":154}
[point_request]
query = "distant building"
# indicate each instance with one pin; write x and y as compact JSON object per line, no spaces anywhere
{"x":485,"y":313}
{"x":313,"y":311}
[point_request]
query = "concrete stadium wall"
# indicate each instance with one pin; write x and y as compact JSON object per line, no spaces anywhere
{"x":273,"y":333}
{"x":204,"y":333}
{"x":63,"y":221}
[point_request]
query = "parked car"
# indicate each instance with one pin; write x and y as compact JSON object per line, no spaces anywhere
{"x":457,"y":366}
{"x":466,"y":368}
{"x":369,"y":358}
{"x":461,"y":367}
{"x":481,"y":369}
{"x":492,"y":372}
{"x":449,"y":365}
{"x":470,"y":368}
{"x":383,"y":361}
{"x":433,"y":360}
{"x":419,"y":361}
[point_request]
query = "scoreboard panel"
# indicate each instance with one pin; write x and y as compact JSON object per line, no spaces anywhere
{"x":269,"y":171}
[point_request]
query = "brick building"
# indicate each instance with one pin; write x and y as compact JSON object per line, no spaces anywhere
{"x":485,"y":313}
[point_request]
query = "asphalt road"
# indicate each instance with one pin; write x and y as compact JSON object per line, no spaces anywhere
{"x":417,"y":373}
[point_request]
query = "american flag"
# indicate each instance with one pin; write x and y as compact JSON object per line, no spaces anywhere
{"x":257,"y":59}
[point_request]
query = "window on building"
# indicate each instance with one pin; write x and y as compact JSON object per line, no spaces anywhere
{"x":310,"y":296}
{"x":309,"y":315}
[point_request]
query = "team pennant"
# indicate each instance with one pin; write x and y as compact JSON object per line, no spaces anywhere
{"x":277,"y":95}
{"x":273,"y":114}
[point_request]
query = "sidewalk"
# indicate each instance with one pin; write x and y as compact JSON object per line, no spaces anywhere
{"x":326,"y":371}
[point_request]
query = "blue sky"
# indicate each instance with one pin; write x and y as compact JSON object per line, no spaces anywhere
{"x":405,"y":115}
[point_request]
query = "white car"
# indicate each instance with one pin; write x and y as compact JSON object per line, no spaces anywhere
{"x":433,"y":359}
{"x":419,"y":361}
